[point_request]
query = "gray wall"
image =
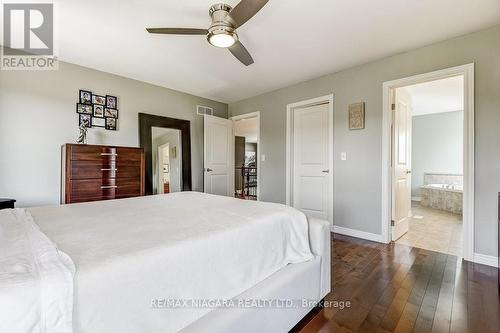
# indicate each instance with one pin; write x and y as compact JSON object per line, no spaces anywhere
{"x":37,"y":116}
{"x":437,"y":146}
{"x":357,"y":181}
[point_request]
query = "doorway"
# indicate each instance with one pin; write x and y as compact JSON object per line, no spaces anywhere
{"x":246,"y":132}
{"x":428,"y":122}
{"x":309,"y":168}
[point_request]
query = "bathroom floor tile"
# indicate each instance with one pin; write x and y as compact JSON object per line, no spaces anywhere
{"x":434,"y":230}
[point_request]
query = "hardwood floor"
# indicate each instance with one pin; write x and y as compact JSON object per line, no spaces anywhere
{"x":399,"y":288}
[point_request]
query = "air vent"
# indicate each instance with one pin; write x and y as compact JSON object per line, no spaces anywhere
{"x":204,"y":110}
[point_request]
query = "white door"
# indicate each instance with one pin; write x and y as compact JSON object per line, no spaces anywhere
{"x":401,"y":161}
{"x":311,"y":161}
{"x":218,"y":156}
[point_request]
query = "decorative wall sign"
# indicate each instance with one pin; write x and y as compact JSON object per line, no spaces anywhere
{"x":97,"y":110}
{"x":357,"y":116}
{"x":98,"y":122}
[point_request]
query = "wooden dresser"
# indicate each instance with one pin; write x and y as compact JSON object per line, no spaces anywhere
{"x":93,"y":173}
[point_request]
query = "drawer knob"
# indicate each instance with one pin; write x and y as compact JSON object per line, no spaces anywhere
{"x":111,"y":186}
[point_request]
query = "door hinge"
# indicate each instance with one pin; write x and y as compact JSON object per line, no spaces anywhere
{"x":392,"y":223}
{"x":393,"y":106}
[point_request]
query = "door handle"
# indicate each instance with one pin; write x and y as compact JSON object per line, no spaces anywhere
{"x":326,"y":171}
{"x":408,"y":172}
{"x":209,"y":170}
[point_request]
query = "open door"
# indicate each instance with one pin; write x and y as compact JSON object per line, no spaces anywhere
{"x":401,"y":162}
{"x":218,"y":156}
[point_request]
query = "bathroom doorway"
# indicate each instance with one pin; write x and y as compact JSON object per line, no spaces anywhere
{"x":430,"y":163}
{"x":435,"y":163}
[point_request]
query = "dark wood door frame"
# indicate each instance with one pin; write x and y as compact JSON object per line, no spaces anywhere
{"x":146,"y":123}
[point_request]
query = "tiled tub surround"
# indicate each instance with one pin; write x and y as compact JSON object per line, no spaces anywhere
{"x":443,"y":192}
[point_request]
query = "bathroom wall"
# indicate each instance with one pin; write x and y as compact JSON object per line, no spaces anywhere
{"x":437,"y":146}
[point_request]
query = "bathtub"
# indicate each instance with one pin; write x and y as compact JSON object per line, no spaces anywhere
{"x":446,"y":197}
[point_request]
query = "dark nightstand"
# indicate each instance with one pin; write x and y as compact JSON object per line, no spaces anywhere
{"x":7,"y":203}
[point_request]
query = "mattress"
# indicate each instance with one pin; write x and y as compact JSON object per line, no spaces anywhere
{"x":143,"y":264}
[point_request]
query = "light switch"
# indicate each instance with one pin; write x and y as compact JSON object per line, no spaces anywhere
{"x":263,"y":157}
{"x":343,"y":156}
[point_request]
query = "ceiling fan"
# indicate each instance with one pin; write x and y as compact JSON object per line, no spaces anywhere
{"x":222,"y":31}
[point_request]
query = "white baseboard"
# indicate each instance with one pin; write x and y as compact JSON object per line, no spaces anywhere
{"x":485,"y":260}
{"x":358,"y":234}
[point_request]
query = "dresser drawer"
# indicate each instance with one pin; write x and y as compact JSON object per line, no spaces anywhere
{"x":92,"y":153}
{"x":128,"y":187}
{"x":105,"y":189}
{"x":93,"y":169}
{"x":128,"y":155}
{"x":92,"y":189}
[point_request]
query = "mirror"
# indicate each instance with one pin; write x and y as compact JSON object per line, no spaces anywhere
{"x":167,"y":153}
{"x":167,"y":160}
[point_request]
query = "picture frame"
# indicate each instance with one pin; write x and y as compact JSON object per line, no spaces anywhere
{"x":85,"y":119}
{"x":98,"y":122}
{"x":111,"y":102}
{"x":84,"y":108}
{"x":98,"y":111}
{"x":98,"y":99}
{"x":111,"y":123}
{"x":111,"y":113}
{"x":357,"y":116}
{"x":85,"y":96}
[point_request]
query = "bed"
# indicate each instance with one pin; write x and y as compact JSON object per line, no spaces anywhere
{"x":188,"y":262}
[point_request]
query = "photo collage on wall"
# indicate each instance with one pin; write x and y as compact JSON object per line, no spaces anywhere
{"x":97,"y":110}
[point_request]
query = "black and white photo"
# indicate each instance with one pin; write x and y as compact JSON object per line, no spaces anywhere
{"x":98,"y":111}
{"x":86,"y":120}
{"x":85,"y":97}
{"x":112,"y":113}
{"x":111,"y":102}
{"x":84,"y":108}
{"x":98,"y":99}
{"x":111,"y":124}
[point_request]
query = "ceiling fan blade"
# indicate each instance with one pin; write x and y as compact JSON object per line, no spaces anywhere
{"x":245,"y":10}
{"x":177,"y":31}
{"x":241,"y":53}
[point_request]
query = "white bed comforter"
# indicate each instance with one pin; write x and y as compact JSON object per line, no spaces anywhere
{"x":186,"y":245}
{"x":36,"y":280}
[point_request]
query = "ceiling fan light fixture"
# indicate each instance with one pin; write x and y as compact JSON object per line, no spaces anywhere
{"x":224,"y":39}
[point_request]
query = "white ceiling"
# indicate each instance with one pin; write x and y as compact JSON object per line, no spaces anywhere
{"x":437,"y":96}
{"x":247,"y":128}
{"x":290,"y":41}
